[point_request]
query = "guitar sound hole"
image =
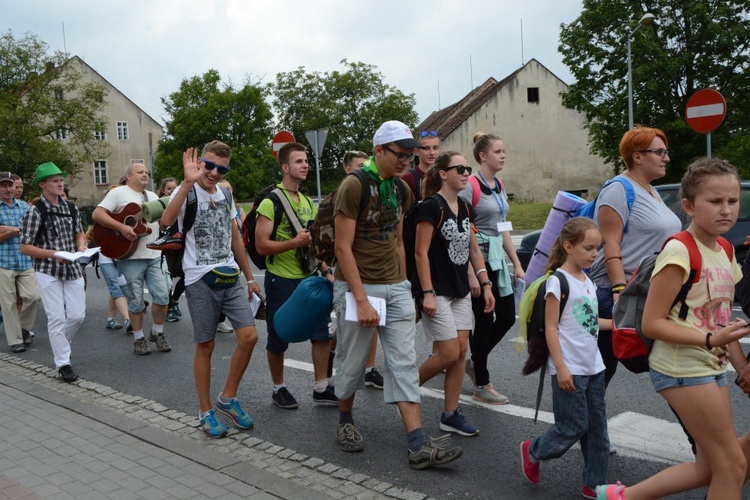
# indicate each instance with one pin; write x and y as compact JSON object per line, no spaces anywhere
{"x":130,"y":221}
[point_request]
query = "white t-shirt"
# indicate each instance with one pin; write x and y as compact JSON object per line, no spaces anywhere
{"x":208,"y":244}
{"x":578,"y":329}
{"x":116,"y":200}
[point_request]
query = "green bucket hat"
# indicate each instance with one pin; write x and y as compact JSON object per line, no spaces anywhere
{"x":46,"y":170}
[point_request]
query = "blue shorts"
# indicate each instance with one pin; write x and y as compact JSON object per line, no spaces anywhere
{"x":662,"y":381}
{"x":278,"y":290}
{"x":111,"y":276}
{"x":140,"y":271}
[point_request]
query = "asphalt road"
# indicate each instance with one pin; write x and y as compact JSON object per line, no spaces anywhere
{"x":490,"y":466}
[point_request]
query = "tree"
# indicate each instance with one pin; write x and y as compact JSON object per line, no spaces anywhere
{"x":351,"y":104}
{"x":205,"y":109}
{"x":43,"y":98}
{"x":691,"y":45}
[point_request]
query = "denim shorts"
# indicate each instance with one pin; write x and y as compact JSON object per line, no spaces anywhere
{"x":662,"y":381}
{"x":111,"y":276}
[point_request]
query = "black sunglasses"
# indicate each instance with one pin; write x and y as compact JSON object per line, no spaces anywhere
{"x":400,"y":156}
{"x":661,"y":151}
{"x":223,"y":169}
{"x":461,"y":169}
{"x":426,"y":133}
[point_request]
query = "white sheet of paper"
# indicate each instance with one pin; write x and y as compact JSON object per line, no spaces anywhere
{"x":254,"y":304}
{"x":351,"y":307}
{"x":504,"y":226}
{"x":85,"y":256}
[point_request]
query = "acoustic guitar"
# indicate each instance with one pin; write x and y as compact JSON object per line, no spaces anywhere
{"x":114,"y":244}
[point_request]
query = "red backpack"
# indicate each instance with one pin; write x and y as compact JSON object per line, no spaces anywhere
{"x":629,"y":344}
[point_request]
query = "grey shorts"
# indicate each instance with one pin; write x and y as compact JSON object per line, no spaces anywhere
{"x":206,"y":305}
{"x":451,"y":315}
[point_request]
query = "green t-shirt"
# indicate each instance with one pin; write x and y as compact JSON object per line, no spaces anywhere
{"x":288,"y":264}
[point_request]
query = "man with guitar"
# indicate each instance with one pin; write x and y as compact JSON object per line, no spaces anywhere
{"x":123,"y":235}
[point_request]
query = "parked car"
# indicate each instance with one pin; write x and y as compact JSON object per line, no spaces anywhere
{"x":670,"y":193}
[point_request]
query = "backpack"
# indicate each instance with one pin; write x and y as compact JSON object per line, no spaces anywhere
{"x":281,"y":206}
{"x":409,"y":236}
{"x":629,"y":344}
{"x":589,"y":208}
{"x":417,"y":182}
{"x":174,"y":257}
{"x":476,"y":189}
{"x":44,"y":213}
{"x":531,"y":312}
{"x":322,"y":248}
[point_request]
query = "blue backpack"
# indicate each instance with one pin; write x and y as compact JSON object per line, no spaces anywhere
{"x":589,"y":208}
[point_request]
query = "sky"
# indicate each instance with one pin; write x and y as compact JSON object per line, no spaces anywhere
{"x":435,"y":49}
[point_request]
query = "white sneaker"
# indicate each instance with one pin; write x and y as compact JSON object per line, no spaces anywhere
{"x":224,"y":327}
{"x":489,"y":395}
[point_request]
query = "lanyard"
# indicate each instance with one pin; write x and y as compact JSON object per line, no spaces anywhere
{"x":494,"y":195}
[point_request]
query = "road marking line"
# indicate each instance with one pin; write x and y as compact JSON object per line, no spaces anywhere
{"x":634,"y":434}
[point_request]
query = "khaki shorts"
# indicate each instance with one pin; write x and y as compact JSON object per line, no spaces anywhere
{"x":451,"y":315}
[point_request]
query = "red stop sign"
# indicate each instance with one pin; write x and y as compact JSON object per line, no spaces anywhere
{"x":705,"y":110}
{"x":282,"y":137}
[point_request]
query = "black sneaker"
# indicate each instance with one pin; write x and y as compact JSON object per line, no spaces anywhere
{"x":167,"y":242}
{"x":28,"y":337}
{"x":284,"y":399}
{"x":67,"y":374}
{"x":18,"y":348}
{"x":374,"y":379}
{"x":434,"y":451}
{"x":327,"y":397}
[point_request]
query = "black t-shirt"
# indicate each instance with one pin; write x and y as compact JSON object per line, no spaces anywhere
{"x":449,"y":249}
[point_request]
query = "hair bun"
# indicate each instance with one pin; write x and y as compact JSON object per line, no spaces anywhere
{"x":477,"y":136}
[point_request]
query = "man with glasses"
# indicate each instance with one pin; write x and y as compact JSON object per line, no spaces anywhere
{"x":428,"y":152}
{"x":144,"y":265}
{"x":371,"y":263}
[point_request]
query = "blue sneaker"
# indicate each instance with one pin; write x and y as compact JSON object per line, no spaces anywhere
{"x":176,"y":309}
{"x":234,"y":410}
{"x":457,"y":423}
{"x":212,"y":425}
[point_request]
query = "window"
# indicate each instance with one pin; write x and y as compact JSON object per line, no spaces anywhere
{"x":100,"y":172}
{"x":61,"y":134}
{"x":122,"y":131}
{"x":100,"y":134}
{"x":532,"y":93}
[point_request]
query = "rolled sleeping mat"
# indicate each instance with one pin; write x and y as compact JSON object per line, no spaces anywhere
{"x":306,"y":311}
{"x":563,"y":209}
{"x":153,"y":210}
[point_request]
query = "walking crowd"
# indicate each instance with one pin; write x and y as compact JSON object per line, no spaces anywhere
{"x":461,"y":289}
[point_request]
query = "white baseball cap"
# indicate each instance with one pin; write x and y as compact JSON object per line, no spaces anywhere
{"x":395,"y":131}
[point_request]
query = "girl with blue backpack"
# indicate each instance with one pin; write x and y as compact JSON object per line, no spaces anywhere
{"x":574,"y":361}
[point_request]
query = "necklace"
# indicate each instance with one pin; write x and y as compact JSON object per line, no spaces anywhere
{"x":289,"y":190}
{"x":647,"y":187}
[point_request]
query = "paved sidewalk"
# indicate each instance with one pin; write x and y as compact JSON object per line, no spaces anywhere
{"x":85,"y":440}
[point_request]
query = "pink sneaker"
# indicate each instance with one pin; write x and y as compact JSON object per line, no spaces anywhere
{"x":610,"y":491}
{"x":588,"y":493}
{"x":530,"y":469}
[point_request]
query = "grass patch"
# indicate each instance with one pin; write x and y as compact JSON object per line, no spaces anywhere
{"x":528,"y":215}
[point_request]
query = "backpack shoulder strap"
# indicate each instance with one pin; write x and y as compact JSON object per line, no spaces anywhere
{"x":191,"y":210}
{"x":476,"y":190}
{"x":696,"y":264}
{"x":629,"y":195}
{"x":227,"y":196}
{"x":364,"y":199}
{"x":727,"y":246}
{"x":287,"y":207}
{"x":564,"y":290}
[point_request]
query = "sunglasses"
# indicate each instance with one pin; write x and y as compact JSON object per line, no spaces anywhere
{"x":661,"y":152}
{"x":223,"y":169}
{"x":430,"y":133}
{"x":400,"y":156}
{"x":461,"y":169}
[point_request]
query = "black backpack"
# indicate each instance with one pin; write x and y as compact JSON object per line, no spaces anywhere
{"x":44,"y":213}
{"x":174,"y":257}
{"x":417,"y":182}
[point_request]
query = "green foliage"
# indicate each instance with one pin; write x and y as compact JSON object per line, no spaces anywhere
{"x":351,"y":104}
{"x":205,"y":109}
{"x":41,"y":94}
{"x":692,"y":44}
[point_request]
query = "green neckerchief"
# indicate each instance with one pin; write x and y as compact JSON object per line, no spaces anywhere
{"x":385,"y":186}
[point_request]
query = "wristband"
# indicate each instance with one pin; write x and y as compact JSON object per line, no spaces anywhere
{"x":613,"y":258}
{"x":250,"y":282}
{"x":618,"y":287}
{"x":486,"y":283}
{"x":481,"y":270}
{"x":425,"y":292}
{"x":708,"y":341}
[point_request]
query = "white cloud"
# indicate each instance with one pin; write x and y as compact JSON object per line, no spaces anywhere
{"x":146,"y":48}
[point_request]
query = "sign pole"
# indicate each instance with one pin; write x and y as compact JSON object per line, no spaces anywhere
{"x":708,"y":145}
{"x":317,"y":165}
{"x":317,"y":139}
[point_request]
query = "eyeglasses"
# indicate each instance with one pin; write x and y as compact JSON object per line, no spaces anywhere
{"x":661,"y":151}
{"x":461,"y":169}
{"x":223,"y":169}
{"x":400,"y":156}
{"x":426,"y":133}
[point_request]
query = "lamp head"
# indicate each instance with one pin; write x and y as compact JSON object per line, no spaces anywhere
{"x":647,"y":19}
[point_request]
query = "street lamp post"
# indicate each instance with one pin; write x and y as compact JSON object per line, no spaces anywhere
{"x":647,"y":18}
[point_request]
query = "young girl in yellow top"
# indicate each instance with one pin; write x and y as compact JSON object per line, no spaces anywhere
{"x":689,"y":357}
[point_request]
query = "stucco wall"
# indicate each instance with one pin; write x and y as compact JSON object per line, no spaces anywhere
{"x":546,"y":144}
{"x":118,"y":108}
